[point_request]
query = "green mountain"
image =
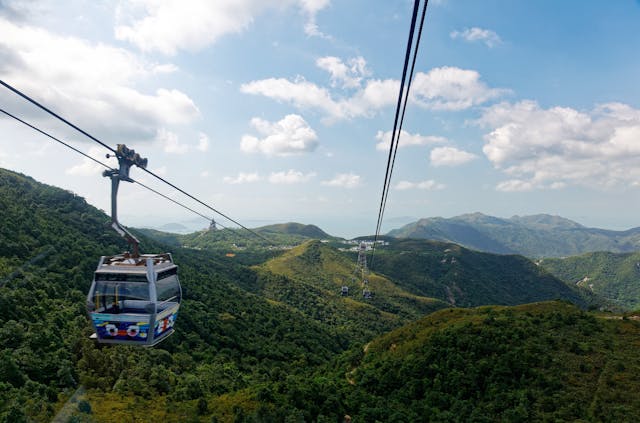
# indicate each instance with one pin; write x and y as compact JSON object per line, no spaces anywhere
{"x":309,"y":278}
{"x":467,"y":278}
{"x":532,"y":236}
{"x":291,"y":228}
{"x":614,"y":276}
{"x":537,"y":362}
{"x":226,"y":339}
{"x":274,"y":237}
{"x":269,"y":342}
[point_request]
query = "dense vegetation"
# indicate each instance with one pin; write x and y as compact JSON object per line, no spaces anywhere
{"x":469,"y":278}
{"x":537,"y":362}
{"x":613,"y":276}
{"x":265,"y":336}
{"x":309,"y":278}
{"x":226,"y":339}
{"x":532,"y":236}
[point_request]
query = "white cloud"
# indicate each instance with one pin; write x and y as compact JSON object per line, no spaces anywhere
{"x":204,"y":174}
{"x":347,"y":75}
{"x":242,"y":178}
{"x":165,"y":68}
{"x":299,"y":92}
{"x":88,"y":167}
{"x":97,"y":90}
{"x":451,"y":88}
{"x":304,"y":95}
{"x":290,"y":177}
{"x":429,"y":185}
{"x":552,"y":148}
{"x":203,"y":142}
{"x":446,"y":88}
{"x":289,"y":136}
{"x":487,"y":36}
{"x":171,"y":25}
{"x":450,"y":156}
{"x":311,"y":9}
{"x":344,"y":180}
{"x":170,"y":142}
{"x":406,"y":139}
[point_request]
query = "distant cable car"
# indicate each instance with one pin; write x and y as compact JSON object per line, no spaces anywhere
{"x":366,"y":294}
{"x":134,"y":299}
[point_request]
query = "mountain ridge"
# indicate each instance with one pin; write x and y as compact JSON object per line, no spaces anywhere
{"x":540,"y":235}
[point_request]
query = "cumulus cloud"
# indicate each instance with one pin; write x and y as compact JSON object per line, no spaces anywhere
{"x":290,"y":177}
{"x":429,"y":185}
{"x":307,"y":95}
{"x":344,"y":180}
{"x":347,"y":75}
{"x":406,"y":139}
{"x":446,"y":88}
{"x":242,"y":178}
{"x":97,"y":91}
{"x":541,"y":148}
{"x":311,"y":9}
{"x":450,"y":156}
{"x":289,"y":136}
{"x":475,"y":34}
{"x":171,"y":25}
{"x":451,"y":88}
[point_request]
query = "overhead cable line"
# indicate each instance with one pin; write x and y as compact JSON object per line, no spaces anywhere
{"x":403,"y":97}
{"x":29,"y":99}
{"x":26,"y":97}
{"x":54,"y":138}
{"x":35,"y":128}
{"x":204,"y":204}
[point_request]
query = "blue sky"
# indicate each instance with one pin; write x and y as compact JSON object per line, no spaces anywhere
{"x":276,"y":111}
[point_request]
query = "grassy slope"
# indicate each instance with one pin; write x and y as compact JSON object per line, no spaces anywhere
{"x":308,"y":278}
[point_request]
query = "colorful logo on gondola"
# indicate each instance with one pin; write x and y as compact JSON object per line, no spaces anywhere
{"x":109,"y":326}
{"x":165,"y":321}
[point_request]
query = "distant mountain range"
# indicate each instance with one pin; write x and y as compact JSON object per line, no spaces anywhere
{"x":540,"y":235}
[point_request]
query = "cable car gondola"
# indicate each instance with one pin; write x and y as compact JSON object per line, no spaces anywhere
{"x":134,"y":299}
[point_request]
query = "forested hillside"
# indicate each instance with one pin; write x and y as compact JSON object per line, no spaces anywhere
{"x":276,"y":342}
{"x":467,"y":278}
{"x":613,"y":276}
{"x":309,"y":278}
{"x":536,"y":362}
{"x":226,"y":338}
{"x":532,"y":236}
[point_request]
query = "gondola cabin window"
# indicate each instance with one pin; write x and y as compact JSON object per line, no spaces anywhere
{"x":118,"y":296}
{"x":167,"y":289}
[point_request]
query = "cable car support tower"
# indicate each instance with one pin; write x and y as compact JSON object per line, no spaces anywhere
{"x":362,"y":271}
